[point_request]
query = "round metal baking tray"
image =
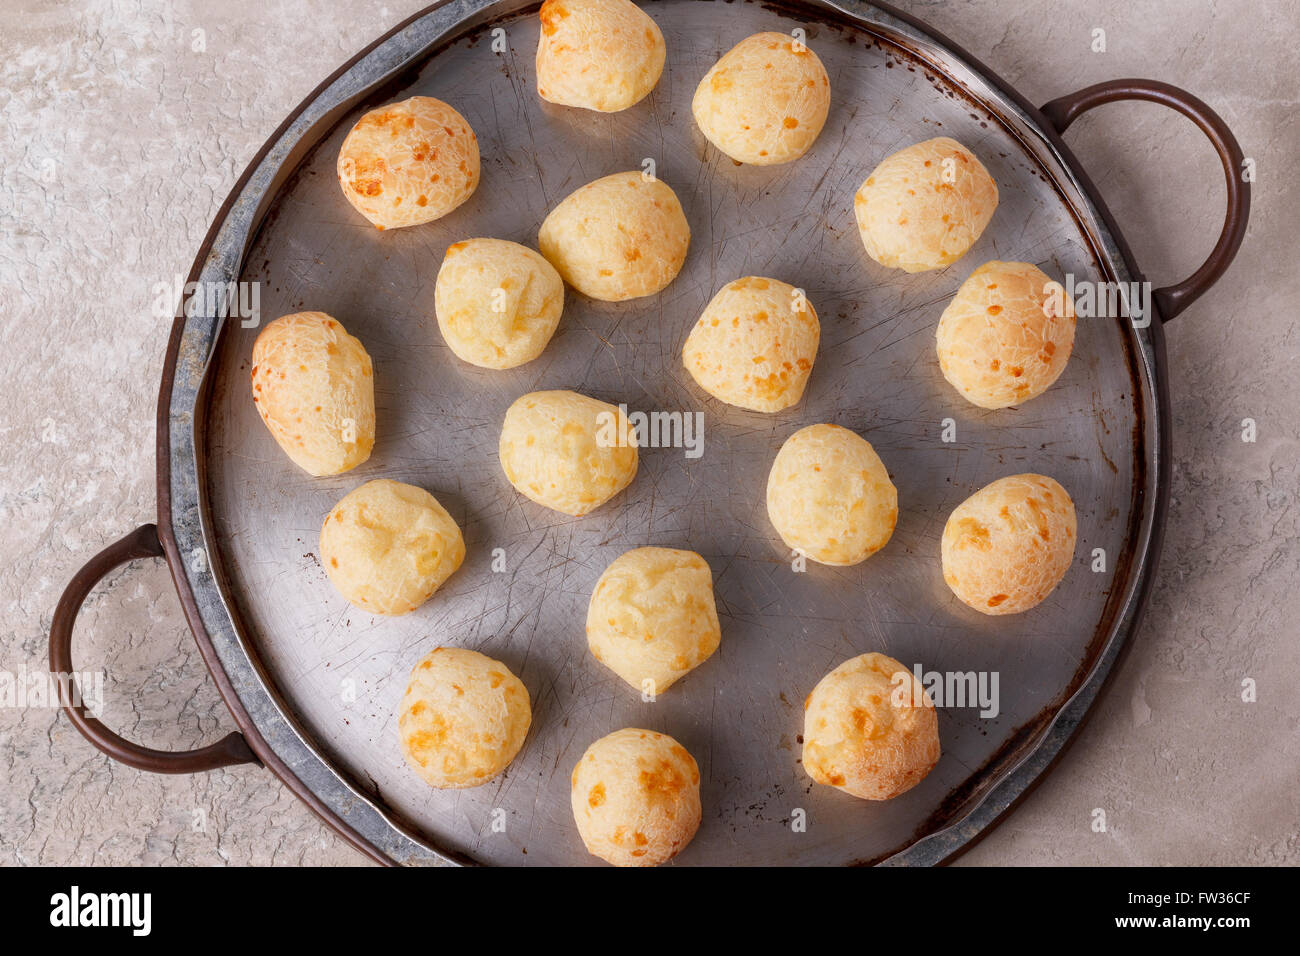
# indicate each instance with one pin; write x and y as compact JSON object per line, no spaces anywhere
{"x":313,"y":683}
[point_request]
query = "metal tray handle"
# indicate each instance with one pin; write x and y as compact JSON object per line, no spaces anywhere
{"x":143,"y":542}
{"x":1172,"y":300}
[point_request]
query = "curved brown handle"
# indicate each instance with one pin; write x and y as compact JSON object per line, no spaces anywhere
{"x":141,"y":543}
{"x":1171,"y":300}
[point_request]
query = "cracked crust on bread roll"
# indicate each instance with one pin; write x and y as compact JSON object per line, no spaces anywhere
{"x":652,"y":617}
{"x":870,"y":729}
{"x":621,"y":237}
{"x":754,"y":345}
{"x":1006,"y":336}
{"x":603,"y":55}
{"x":830,"y":497}
{"x":1007,"y":547}
{"x":566,"y":451}
{"x":636,"y":798}
{"x":463,"y":718}
{"x":765,"y":101}
{"x":314,"y":387}
{"x":497,"y":302}
{"x":925,"y":206}
{"x":409,"y":163}
{"x":388,"y":546}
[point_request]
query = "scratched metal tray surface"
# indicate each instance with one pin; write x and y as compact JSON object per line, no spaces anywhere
{"x":335,"y":673}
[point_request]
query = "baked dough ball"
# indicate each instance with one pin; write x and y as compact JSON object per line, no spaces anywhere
{"x":314,"y":387}
{"x":463,"y":718}
{"x":621,"y":237}
{"x":652,"y":616}
{"x":566,"y":451}
{"x":924,"y":206}
{"x":765,"y":101}
{"x":829,"y":495}
{"x":636,"y":798}
{"x":409,"y":163}
{"x":600,"y":55}
{"x":1006,"y":335}
{"x":754,"y":344}
{"x":498,"y":302}
{"x":1008,"y":545}
{"x":870,"y":729}
{"x":388,"y":546}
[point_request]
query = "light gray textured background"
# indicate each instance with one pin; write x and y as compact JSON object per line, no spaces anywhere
{"x":119,"y":143}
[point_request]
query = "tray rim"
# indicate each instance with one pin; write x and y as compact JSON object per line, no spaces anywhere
{"x":179,"y":438}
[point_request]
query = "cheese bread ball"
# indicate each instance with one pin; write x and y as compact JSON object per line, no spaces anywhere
{"x":652,"y":616}
{"x":1006,"y":547}
{"x":829,"y":496}
{"x":870,"y":729}
{"x":602,"y":55}
{"x":1006,"y":335}
{"x":621,"y":237}
{"x":409,"y":163}
{"x":924,"y":206}
{"x":754,"y":344}
{"x":497,"y":302}
{"x":314,"y":387}
{"x":388,"y":546}
{"x":765,"y":101}
{"x":636,"y":798}
{"x":566,"y":451}
{"x":462,"y":719}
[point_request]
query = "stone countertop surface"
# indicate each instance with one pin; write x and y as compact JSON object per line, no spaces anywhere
{"x":125,"y":124}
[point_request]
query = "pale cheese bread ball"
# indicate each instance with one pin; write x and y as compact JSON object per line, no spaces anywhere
{"x":497,"y":302}
{"x":603,"y":55}
{"x":1006,"y":547}
{"x":387,"y":546}
{"x":636,"y":798}
{"x":409,"y":163}
{"x":754,"y":344}
{"x":620,"y":237}
{"x":1006,"y":335}
{"x":652,"y":617}
{"x":925,"y":205}
{"x":830,"y":497}
{"x":566,"y":451}
{"x":462,"y":719}
{"x":314,"y":386}
{"x":870,"y":729}
{"x":765,"y":101}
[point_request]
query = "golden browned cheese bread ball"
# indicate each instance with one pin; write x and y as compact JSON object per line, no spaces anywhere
{"x":652,"y":617}
{"x":409,"y":163}
{"x":602,"y":55}
{"x":314,"y":387}
{"x":830,"y":497}
{"x":1006,"y":547}
{"x":497,"y":302}
{"x":924,"y":206}
{"x":462,"y":719}
{"x":754,"y":344}
{"x":621,"y":237}
{"x":870,"y":729}
{"x":1006,"y":335}
{"x":765,"y":101}
{"x":636,"y":798}
{"x":387,"y":546}
{"x":566,"y":451}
